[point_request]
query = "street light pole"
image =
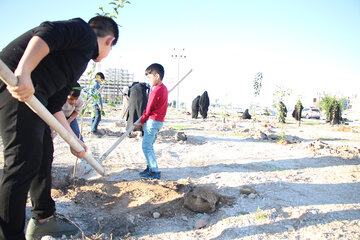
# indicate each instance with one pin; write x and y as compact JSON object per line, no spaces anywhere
{"x":178,"y":54}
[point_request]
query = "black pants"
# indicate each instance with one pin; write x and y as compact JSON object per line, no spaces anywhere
{"x":28,"y":155}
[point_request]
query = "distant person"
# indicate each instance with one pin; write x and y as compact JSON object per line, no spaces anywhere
{"x":296,"y":113}
{"x":204,"y":103}
{"x":246,"y":114}
{"x":153,"y":118}
{"x":138,"y":98}
{"x":334,"y":112}
{"x":195,"y":107}
{"x":97,"y":103}
{"x":47,"y":60}
{"x":72,"y":108}
{"x":283,"y":112}
{"x":125,"y":107}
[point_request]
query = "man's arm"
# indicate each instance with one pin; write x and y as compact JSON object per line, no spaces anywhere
{"x":79,"y":106}
{"x":62,"y":119}
{"x":73,"y":115}
{"x":35,"y":51}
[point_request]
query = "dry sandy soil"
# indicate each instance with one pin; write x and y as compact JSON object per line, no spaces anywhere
{"x":306,"y":186}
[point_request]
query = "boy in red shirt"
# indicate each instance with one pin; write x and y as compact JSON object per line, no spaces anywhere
{"x":153,"y":117}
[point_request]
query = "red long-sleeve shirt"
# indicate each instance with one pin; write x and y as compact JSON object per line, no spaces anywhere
{"x":157,"y":104}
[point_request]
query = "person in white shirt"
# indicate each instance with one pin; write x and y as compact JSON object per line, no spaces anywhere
{"x":72,"y":108}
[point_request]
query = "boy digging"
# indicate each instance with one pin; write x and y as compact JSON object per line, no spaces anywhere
{"x":47,"y":60}
{"x":72,"y":108}
{"x":153,"y":118}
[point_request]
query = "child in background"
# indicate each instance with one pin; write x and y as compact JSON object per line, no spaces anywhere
{"x":97,"y":103}
{"x":72,"y":108}
{"x":153,"y":118}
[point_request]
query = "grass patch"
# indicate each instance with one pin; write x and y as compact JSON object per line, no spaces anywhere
{"x":311,"y":122}
{"x":304,"y":121}
{"x":223,"y":115}
{"x":261,"y":215}
{"x":236,"y":134}
{"x":270,"y":167}
{"x":329,"y":139}
{"x":178,"y":127}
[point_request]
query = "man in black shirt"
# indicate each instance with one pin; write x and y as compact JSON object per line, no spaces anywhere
{"x":47,"y":60}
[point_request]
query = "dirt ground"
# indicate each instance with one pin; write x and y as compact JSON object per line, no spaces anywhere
{"x":262,"y":180}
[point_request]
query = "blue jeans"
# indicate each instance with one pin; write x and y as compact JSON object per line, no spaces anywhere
{"x":152,"y":127}
{"x":75,"y":127}
{"x":96,"y":119}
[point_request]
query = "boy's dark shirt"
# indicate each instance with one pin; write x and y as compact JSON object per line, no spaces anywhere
{"x":72,"y":45}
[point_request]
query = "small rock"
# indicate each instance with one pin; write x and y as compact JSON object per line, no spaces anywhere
{"x":131,"y":218}
{"x":252,"y":196}
{"x":263,"y":136}
{"x":184,"y":218}
{"x":156,"y":215}
{"x":188,"y":179}
{"x":180,"y":136}
{"x":247,"y":189}
{"x":201,"y":199}
{"x":200,"y":223}
{"x":289,"y":227}
{"x":274,"y":137}
{"x":48,"y":238}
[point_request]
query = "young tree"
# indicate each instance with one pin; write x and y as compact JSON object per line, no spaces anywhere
{"x":325,"y":104}
{"x":257,"y":84}
{"x":115,"y":5}
{"x":279,"y":96}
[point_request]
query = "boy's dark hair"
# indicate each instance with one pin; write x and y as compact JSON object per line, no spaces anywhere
{"x":76,"y":90}
{"x":103,"y":26}
{"x":101,"y":75}
{"x":155,"y":68}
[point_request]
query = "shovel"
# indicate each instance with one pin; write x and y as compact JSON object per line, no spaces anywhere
{"x":8,"y":77}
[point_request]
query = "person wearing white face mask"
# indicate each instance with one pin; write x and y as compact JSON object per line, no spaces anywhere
{"x":153,"y":118}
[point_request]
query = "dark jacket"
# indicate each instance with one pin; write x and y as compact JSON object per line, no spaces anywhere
{"x":204,"y":104}
{"x":195,"y":107}
{"x":138,"y":98}
{"x":246,"y":114}
{"x":296,"y":114}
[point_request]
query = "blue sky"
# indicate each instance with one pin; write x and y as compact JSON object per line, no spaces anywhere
{"x":308,"y":46}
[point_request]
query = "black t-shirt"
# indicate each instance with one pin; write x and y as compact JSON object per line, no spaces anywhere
{"x":72,"y":44}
